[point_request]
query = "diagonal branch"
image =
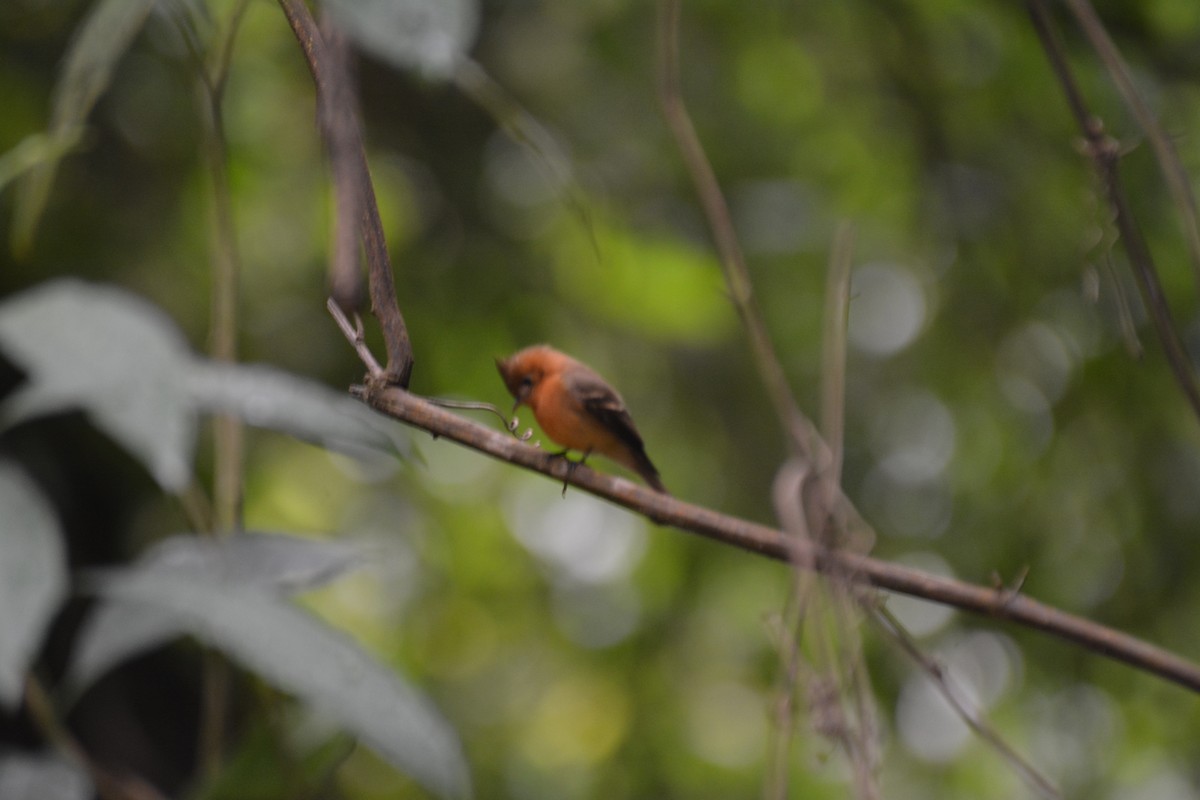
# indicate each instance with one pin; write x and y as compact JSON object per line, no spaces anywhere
{"x":970,"y":716}
{"x":1164,"y":149}
{"x":1105,"y":156}
{"x":737,"y":275}
{"x":1000,"y":604}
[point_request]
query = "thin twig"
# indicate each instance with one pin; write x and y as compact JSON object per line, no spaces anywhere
{"x":737,"y":276}
{"x":228,"y":430}
{"x":785,"y":492}
{"x":108,"y":785}
{"x":816,"y":611}
{"x":1105,"y":156}
{"x":833,"y":369}
{"x":852,"y":674}
{"x":826,"y":609}
{"x":1164,"y":150}
{"x":511,"y":425}
{"x":228,"y":445}
{"x":355,"y":335}
{"x":972,"y":718}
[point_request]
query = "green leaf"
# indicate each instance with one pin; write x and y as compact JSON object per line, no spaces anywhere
{"x":34,"y":151}
{"x":266,"y":397}
{"x":119,"y":630}
{"x":42,"y":777}
{"x":428,"y":35}
{"x":111,"y":354}
{"x":33,"y":577}
{"x":299,"y":654}
{"x":99,"y":43}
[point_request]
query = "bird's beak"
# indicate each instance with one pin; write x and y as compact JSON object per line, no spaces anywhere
{"x":502,"y":367}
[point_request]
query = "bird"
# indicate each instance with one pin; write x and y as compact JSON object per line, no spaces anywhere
{"x":576,"y":408}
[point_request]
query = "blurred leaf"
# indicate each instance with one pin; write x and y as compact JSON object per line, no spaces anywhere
{"x":270,"y":398}
{"x":118,"y":630}
{"x":115,"y":632}
{"x":277,"y":561}
{"x":428,"y":35}
{"x":32,"y":577}
{"x":111,"y":354}
{"x":124,"y":362}
{"x":42,"y":777}
{"x":99,"y":43}
{"x":303,"y":656}
{"x":33,"y":151}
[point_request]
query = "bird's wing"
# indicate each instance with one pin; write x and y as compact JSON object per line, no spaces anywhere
{"x":602,"y":401}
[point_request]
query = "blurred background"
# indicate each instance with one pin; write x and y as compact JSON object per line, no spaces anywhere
{"x":998,"y":415}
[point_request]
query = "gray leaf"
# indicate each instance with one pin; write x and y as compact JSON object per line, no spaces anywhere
{"x":38,"y":777}
{"x":428,"y":35}
{"x":270,"y":398}
{"x":119,"y":630}
{"x":33,"y":576}
{"x":111,"y":354}
{"x":318,"y":664}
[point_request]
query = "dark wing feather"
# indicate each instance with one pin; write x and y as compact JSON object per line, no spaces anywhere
{"x":602,"y":401}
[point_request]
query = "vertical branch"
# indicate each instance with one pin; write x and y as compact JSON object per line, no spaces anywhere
{"x":822,"y":613}
{"x":806,"y":499}
{"x":786,"y":492}
{"x":228,"y":431}
{"x":338,"y":112}
{"x":348,"y":158}
{"x":1105,"y":157}
{"x":851,"y":668}
{"x":833,"y":371}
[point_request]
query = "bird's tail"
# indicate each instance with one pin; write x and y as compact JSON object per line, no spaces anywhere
{"x":649,"y":473}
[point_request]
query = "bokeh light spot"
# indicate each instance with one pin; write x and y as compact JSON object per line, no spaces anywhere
{"x":887,"y":308}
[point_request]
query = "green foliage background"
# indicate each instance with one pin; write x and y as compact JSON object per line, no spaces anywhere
{"x":577,"y":651}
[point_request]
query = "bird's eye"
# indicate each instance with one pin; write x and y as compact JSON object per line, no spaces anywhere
{"x":527,"y":382}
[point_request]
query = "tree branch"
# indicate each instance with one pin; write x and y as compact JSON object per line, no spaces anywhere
{"x":800,"y":430}
{"x":1164,"y":150}
{"x":963,"y":708}
{"x":340,"y":127}
{"x":1105,"y":156}
{"x":996,"y":603}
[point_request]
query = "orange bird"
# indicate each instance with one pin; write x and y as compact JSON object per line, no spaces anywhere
{"x":576,"y":407}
